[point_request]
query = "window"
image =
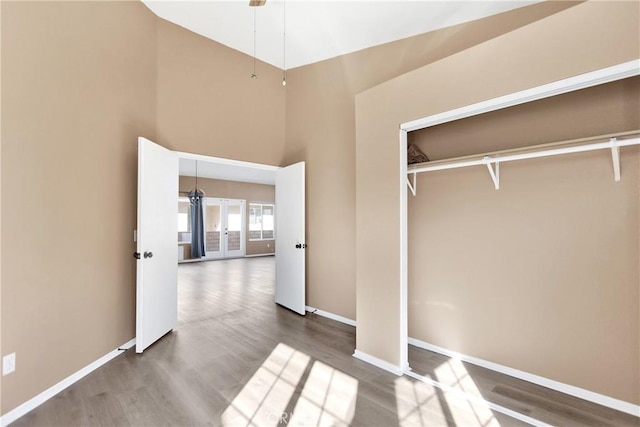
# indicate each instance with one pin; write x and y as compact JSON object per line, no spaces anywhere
{"x":184,"y":220}
{"x":261,"y":221}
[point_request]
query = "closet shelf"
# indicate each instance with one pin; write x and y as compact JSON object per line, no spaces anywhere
{"x":492,"y":160}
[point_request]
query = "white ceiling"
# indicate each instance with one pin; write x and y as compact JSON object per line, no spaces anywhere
{"x":318,"y":30}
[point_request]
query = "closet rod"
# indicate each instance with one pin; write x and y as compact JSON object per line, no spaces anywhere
{"x":422,"y":167}
{"x":496,"y":158}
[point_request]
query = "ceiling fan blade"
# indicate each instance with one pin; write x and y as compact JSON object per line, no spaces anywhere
{"x":257,"y":2}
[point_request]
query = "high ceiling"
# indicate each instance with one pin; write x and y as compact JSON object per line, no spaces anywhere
{"x":319,"y":30}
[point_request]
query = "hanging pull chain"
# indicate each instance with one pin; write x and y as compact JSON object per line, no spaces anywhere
{"x":254,"y":75}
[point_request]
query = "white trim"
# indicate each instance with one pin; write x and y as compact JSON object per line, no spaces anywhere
{"x":38,"y":400}
{"x":331,"y":316}
{"x":582,"y":81}
{"x":578,"y":392}
{"x":382,"y":364}
{"x":404,"y":253}
{"x":477,"y":399}
{"x":259,"y":255}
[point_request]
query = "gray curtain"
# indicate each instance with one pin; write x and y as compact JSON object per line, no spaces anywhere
{"x":197,"y":225}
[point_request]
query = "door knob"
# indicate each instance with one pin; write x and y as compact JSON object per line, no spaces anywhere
{"x":136,"y":255}
{"x":148,"y":255}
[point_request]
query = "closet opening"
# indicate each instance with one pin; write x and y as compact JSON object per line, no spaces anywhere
{"x":482,"y":267}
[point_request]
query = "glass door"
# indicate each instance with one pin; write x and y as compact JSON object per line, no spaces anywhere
{"x":213,"y":245}
{"x":224,"y":228}
{"x":234,"y":228}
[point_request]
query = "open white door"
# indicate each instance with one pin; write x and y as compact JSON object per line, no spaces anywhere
{"x":290,"y":238}
{"x":157,"y":269}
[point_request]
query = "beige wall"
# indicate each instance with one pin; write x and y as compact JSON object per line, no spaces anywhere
{"x":208,"y":104}
{"x":321,"y":130}
{"x":78,"y":82}
{"x":236,"y":190}
{"x":572,"y":42}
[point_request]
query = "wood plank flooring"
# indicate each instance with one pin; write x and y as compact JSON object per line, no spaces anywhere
{"x":231,"y":359}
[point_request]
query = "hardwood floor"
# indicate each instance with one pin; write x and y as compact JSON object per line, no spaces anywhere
{"x":236,"y":356}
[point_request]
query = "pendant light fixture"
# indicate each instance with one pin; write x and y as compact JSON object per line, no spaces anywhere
{"x":197,"y":191}
{"x":284,"y":43}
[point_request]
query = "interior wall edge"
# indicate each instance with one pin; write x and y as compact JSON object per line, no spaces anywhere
{"x":1,"y":353}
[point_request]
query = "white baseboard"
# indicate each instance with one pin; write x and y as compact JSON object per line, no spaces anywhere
{"x":331,"y":316}
{"x":38,"y":400}
{"x":258,"y":255}
{"x":581,"y":393}
{"x":382,"y":364}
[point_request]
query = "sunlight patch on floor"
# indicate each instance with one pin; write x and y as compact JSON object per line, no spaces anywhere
{"x":265,"y":397}
{"x":328,"y":398}
{"x":470,"y":411}
{"x":417,"y":404}
{"x":449,"y":396}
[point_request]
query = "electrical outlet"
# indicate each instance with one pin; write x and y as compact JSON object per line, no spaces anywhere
{"x":8,"y":363}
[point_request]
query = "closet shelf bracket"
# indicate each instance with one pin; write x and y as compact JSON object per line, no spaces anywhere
{"x":615,"y":155}
{"x":413,"y":186}
{"x":494,"y":172}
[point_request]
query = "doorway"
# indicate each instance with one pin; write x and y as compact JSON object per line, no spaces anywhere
{"x":158,"y":220}
{"x":224,"y":228}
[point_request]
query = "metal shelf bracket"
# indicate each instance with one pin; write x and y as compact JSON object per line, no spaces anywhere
{"x":413,"y":186}
{"x":494,"y":172}
{"x":615,"y":155}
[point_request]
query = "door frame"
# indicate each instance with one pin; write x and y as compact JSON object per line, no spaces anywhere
{"x":234,"y":170}
{"x":248,"y":166}
{"x":256,"y":170}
